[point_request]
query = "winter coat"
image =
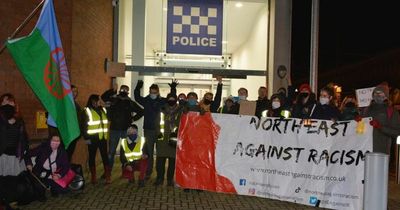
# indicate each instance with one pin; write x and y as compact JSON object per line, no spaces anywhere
{"x":13,"y":138}
{"x":262,"y":105}
{"x":121,"y":110}
{"x":172,"y":117}
{"x":388,"y":118}
{"x":42,"y":153}
{"x":325,"y":112}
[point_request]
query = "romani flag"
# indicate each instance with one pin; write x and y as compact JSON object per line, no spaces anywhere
{"x":41,"y":60}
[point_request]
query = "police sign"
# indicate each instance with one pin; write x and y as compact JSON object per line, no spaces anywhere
{"x":194,"y":27}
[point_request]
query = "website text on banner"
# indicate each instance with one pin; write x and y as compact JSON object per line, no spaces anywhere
{"x":287,"y":159}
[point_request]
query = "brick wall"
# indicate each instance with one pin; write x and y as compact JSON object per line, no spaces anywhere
{"x":86,"y":33}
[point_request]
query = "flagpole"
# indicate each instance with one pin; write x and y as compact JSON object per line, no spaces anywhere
{"x":23,"y":24}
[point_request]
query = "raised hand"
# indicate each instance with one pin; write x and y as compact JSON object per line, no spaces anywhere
{"x":139,"y":84}
{"x":173,"y":83}
{"x":219,"y":79}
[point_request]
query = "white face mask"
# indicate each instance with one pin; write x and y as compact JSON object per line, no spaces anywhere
{"x":242,"y":97}
{"x":276,"y":104}
{"x":323,"y":101}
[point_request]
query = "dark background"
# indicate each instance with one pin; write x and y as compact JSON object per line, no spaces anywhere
{"x":351,"y":32}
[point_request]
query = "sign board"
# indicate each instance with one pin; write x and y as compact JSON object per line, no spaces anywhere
{"x":195,"y":27}
{"x":285,"y":159}
{"x":364,"y":96}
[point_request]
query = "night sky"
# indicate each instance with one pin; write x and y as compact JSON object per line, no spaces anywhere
{"x":350,"y":32}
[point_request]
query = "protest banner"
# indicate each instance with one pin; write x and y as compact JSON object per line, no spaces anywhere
{"x":318,"y":162}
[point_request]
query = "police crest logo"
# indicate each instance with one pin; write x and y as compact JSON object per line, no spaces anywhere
{"x":195,"y":27}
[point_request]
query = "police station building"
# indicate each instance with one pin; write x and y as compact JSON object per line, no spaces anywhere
{"x":247,"y":41}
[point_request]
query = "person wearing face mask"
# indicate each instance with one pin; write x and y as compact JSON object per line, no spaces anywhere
{"x":166,"y":145}
{"x":277,"y":106}
{"x":121,"y":111}
{"x":227,"y":108}
{"x":242,"y":96}
{"x":96,"y":135}
{"x":325,"y":109}
{"x":385,"y":119}
{"x":305,"y":103}
{"x":152,"y":105}
{"x":51,"y":163}
{"x":134,"y":156}
{"x":349,"y":108}
{"x":13,"y":141}
{"x":182,"y":99}
{"x":210,"y":105}
{"x":192,"y":105}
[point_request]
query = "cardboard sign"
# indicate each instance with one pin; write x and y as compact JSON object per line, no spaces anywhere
{"x":115,"y":69}
{"x":364,"y":96}
{"x":248,"y":108}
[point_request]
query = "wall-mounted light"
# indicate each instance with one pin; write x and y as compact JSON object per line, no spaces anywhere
{"x":239,"y":4}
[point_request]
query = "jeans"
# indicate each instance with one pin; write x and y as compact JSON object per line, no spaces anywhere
{"x":115,"y":136}
{"x":151,"y":138}
{"x":92,"y":147}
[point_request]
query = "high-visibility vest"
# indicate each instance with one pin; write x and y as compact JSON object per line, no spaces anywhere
{"x":97,"y":125}
{"x":136,"y":153}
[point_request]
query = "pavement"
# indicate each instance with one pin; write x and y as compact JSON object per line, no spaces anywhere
{"x":123,"y":195}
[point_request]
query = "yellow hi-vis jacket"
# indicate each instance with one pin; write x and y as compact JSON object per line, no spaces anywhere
{"x":97,"y":125}
{"x":136,"y":153}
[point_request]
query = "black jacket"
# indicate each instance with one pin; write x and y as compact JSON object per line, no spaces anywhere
{"x":121,"y":109}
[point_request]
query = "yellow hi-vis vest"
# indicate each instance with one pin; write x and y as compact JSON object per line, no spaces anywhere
{"x":134,"y":154}
{"x":96,"y":124}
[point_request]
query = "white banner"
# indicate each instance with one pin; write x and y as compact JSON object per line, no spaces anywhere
{"x":282,"y":159}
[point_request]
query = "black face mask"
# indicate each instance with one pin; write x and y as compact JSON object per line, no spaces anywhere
{"x":207,"y":102}
{"x":350,"y":105}
{"x":172,"y":103}
{"x":182,"y":102}
{"x":303,"y":95}
{"x":7,"y":111}
{"x":123,"y":94}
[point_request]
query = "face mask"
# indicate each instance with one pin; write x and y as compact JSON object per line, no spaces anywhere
{"x":123,"y":94}
{"x":323,"y":101}
{"x":242,"y":97}
{"x":54,"y":145}
{"x":182,"y":102}
{"x":192,"y":102}
{"x":153,"y":96}
{"x":172,"y":103}
{"x":207,"y":102}
{"x":8,"y":111}
{"x":350,"y":105}
{"x":133,"y":137}
{"x":276,"y":104}
{"x":379,"y":99}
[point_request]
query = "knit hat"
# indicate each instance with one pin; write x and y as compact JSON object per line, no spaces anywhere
{"x":305,"y":87}
{"x":384,"y":87}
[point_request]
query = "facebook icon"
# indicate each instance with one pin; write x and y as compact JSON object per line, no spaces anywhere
{"x":242,"y":182}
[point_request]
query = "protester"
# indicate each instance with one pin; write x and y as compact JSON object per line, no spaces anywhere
{"x":263,"y":103}
{"x":305,"y":103}
{"x":192,"y":104}
{"x":51,"y":164}
{"x":96,"y":135}
{"x":120,"y":113}
{"x":348,"y":108}
{"x":182,"y":99}
{"x":134,"y":156}
{"x":13,"y":138}
{"x":242,"y":96}
{"x":385,"y":119}
{"x":166,"y":145}
{"x":278,"y":108}
{"x":79,"y":114}
{"x":326,"y":109}
{"x":152,"y":104}
{"x":227,"y":108}
{"x":210,"y":105}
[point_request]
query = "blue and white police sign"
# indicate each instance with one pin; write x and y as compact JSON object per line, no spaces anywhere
{"x":195,"y":27}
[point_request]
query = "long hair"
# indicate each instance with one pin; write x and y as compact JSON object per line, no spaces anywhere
{"x":92,"y":98}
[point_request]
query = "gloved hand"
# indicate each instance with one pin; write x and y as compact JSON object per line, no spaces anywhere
{"x":358,"y":118}
{"x":375,"y":124}
{"x":173,"y":83}
{"x":139,"y":84}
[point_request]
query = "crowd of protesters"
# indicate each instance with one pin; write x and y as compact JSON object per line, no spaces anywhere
{"x":108,"y":120}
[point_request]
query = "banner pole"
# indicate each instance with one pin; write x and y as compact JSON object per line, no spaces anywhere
{"x":23,"y":24}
